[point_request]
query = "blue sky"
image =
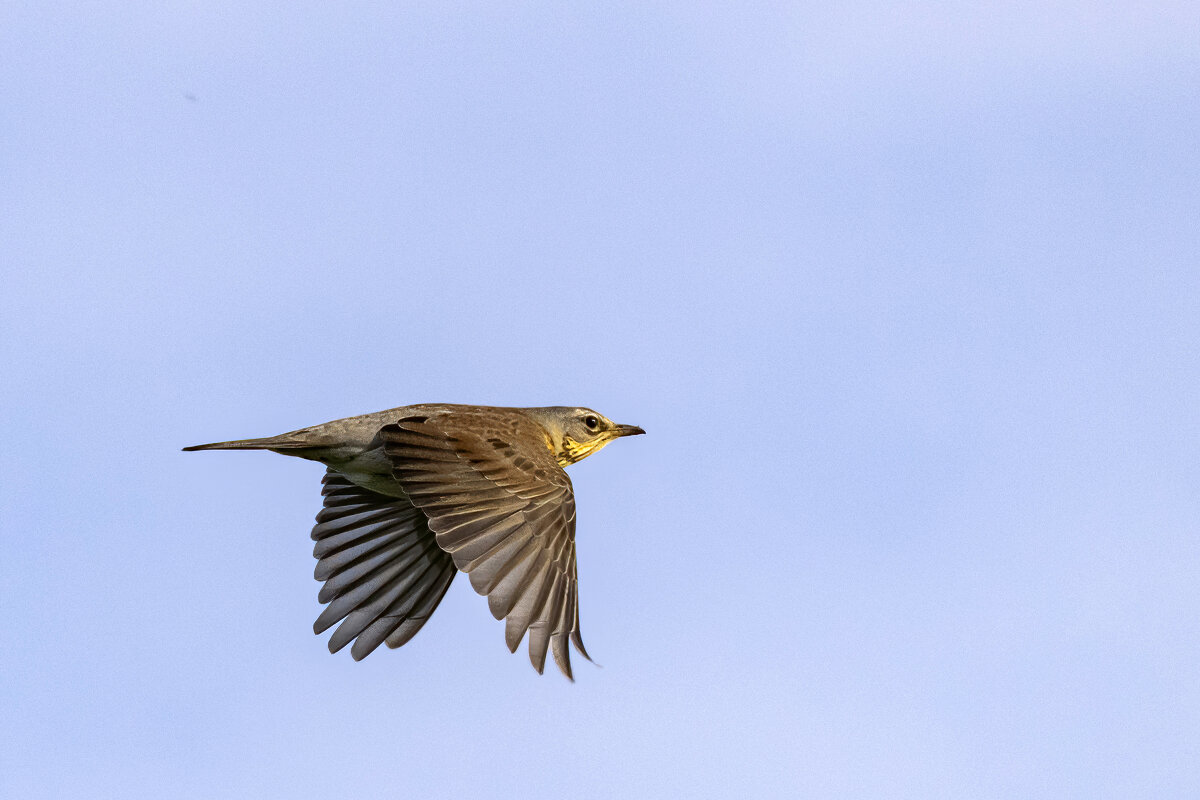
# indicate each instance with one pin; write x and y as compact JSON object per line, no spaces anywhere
{"x":907,"y":297}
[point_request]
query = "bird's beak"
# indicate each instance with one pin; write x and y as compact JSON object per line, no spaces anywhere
{"x":627,"y":430}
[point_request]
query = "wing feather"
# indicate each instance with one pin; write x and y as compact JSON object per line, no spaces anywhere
{"x":498,"y":502}
{"x":383,"y":571}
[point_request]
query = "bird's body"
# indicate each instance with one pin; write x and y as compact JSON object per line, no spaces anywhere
{"x":415,"y":493}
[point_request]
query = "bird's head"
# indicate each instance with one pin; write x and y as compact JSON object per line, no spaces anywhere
{"x":573,"y":434}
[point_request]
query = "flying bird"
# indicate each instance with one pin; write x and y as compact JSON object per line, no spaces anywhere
{"x":415,"y":494}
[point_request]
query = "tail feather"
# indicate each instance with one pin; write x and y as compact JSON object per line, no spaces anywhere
{"x":284,"y":442}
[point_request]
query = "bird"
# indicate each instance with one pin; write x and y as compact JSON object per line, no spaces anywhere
{"x":416,"y":494}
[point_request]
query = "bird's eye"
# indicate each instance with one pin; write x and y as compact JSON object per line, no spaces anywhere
{"x":591,"y":422}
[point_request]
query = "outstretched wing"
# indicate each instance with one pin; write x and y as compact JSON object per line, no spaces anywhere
{"x":500,"y":505}
{"x":383,"y":570}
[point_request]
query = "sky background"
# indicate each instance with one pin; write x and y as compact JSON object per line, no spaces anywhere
{"x":906,"y":295}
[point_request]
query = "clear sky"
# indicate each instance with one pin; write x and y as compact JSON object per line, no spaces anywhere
{"x":907,"y":297}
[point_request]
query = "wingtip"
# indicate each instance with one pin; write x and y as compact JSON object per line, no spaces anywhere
{"x":577,"y":640}
{"x":562,"y":656}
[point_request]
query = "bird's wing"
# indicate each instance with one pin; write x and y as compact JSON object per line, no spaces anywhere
{"x":503,"y":508}
{"x":384,"y":573}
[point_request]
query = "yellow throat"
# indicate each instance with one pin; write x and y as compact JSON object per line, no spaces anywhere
{"x":573,"y":451}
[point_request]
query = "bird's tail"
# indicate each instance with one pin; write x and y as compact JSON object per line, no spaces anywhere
{"x":285,"y":442}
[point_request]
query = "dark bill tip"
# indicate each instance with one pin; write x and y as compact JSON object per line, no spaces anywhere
{"x":629,"y":430}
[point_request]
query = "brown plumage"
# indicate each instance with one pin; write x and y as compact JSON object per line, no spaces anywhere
{"x":416,"y":493}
